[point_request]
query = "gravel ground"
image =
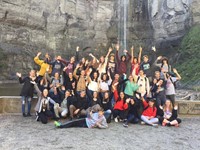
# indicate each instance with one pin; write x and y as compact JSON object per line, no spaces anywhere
{"x":18,"y":133}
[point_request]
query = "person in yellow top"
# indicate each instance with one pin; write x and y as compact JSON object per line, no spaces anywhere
{"x":44,"y":66}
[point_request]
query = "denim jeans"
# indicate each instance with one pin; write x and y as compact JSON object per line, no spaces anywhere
{"x":149,"y":121}
{"x":26,"y":99}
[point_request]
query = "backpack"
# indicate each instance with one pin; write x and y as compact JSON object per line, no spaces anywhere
{"x":174,"y":83}
{"x":145,"y":78}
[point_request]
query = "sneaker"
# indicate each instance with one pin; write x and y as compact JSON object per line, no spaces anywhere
{"x":57,"y":124}
{"x":125,"y":125}
{"x":24,"y":115}
{"x":177,"y":125}
{"x":116,"y":119}
{"x":143,"y":123}
{"x":29,"y":115}
{"x":155,"y":125}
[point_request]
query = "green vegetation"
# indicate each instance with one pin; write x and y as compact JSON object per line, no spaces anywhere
{"x":189,"y":62}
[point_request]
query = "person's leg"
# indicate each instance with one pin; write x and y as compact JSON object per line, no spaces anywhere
{"x":83,"y":113}
{"x":29,"y":106}
{"x":64,"y":112}
{"x":23,"y":99}
{"x":72,"y":108}
{"x":57,"y":110}
{"x":146,"y":120}
{"x":115,"y":113}
{"x":154,"y":121}
{"x":75,"y":123}
{"x":171,"y":98}
{"x":43,"y":117}
{"x":107,"y":115}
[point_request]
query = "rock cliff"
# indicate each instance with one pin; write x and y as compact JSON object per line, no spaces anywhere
{"x":58,"y":26}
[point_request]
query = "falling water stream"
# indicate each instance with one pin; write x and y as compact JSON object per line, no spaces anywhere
{"x":122,"y":22}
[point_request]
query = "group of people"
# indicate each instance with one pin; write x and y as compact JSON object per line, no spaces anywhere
{"x":91,"y":92}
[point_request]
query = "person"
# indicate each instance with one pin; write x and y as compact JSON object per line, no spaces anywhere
{"x":63,"y":108}
{"x":170,"y":90}
{"x":169,"y":115}
{"x":93,"y":120}
{"x":107,"y":106}
{"x":135,"y":62}
{"x":57,"y":66}
{"x":43,"y":64}
{"x":123,"y":62}
{"x":79,"y":106}
{"x":104,"y":83}
{"x":143,"y":82}
{"x":131,"y":87}
{"x":111,"y":66}
{"x":159,"y":92}
{"x":149,"y":113}
{"x":103,"y":63}
{"x":121,"y":105}
{"x":132,"y":115}
{"x":42,"y":107}
{"x":80,"y":80}
{"x":27,"y":91}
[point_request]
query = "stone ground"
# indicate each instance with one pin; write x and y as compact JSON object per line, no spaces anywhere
{"x":18,"y":133}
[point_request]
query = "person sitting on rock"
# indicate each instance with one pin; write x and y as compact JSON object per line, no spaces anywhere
{"x":93,"y":120}
{"x":169,"y":115}
{"x":27,"y":91}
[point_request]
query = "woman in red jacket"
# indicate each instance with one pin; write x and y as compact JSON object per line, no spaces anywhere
{"x":149,"y":114}
{"x":121,"y":105}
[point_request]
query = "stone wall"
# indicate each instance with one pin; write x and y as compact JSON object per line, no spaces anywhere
{"x":12,"y":104}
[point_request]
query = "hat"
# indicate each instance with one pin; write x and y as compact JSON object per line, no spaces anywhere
{"x":112,"y":54}
{"x":151,"y":99}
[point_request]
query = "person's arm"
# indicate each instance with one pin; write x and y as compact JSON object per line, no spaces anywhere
{"x":125,"y":106}
{"x":109,"y":51}
{"x":91,"y":55}
{"x":145,"y":104}
{"x":140,"y":55}
{"x":75,"y":70}
{"x":116,"y":96}
{"x":117,"y":53}
{"x":52,"y":101}
{"x":77,"y":54}
{"x":102,"y":124}
{"x":177,"y":74}
{"x":129,"y":56}
{"x":39,"y":93}
{"x":20,"y":78}
{"x":156,"y":62}
{"x":64,"y":61}
{"x":37,"y":59}
{"x":148,"y":85}
{"x":174,"y":112}
{"x":132,"y":54}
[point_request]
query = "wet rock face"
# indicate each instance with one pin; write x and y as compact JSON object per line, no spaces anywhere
{"x":57,"y":27}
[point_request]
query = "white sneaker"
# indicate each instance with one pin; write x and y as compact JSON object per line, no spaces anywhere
{"x":155,"y":125}
{"x":143,"y":123}
{"x":116,"y":119}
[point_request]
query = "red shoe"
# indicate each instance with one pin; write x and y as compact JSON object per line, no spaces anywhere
{"x":164,"y":124}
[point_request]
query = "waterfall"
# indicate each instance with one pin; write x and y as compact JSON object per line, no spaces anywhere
{"x":122,"y":22}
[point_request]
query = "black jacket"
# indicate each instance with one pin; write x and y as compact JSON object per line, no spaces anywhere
{"x":28,"y":87}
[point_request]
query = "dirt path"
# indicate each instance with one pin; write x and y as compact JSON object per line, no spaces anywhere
{"x":18,"y":133}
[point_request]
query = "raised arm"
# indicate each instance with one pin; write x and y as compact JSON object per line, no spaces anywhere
{"x":132,"y":54}
{"x":140,"y":55}
{"x":75,"y":70}
{"x":37,"y":59}
{"x":177,"y":74}
{"x":117,"y":53}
